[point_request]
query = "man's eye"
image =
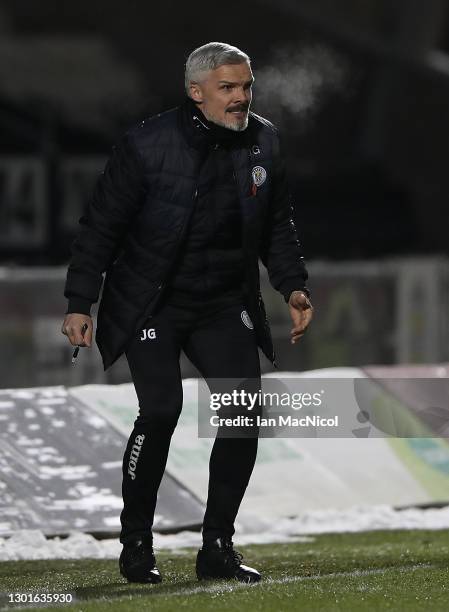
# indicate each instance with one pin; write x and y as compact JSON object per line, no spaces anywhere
{"x":227,"y":87}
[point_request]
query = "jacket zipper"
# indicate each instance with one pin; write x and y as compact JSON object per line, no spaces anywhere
{"x":178,"y":246}
{"x":259,"y":296}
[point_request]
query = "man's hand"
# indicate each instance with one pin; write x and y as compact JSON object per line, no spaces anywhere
{"x":301,"y":312}
{"x":72,"y":326}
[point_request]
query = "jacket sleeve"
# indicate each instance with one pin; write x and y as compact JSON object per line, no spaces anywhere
{"x":281,"y":252}
{"x":116,"y":198}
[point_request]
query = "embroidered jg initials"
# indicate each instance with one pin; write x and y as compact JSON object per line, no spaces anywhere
{"x":148,"y":334}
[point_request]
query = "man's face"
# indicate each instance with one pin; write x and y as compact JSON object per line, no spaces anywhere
{"x":225,"y":95}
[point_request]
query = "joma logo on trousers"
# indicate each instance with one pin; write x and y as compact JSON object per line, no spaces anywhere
{"x":134,"y":456}
{"x":149,"y":334}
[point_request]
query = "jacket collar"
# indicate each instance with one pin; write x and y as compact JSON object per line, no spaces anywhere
{"x":203,"y":134}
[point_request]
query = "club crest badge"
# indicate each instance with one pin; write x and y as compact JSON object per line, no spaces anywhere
{"x":259,"y":175}
{"x":246,"y":320}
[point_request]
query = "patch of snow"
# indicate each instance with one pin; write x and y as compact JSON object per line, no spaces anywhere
{"x":109,"y":465}
{"x":32,"y":544}
{"x":47,"y":410}
{"x":95,"y":421}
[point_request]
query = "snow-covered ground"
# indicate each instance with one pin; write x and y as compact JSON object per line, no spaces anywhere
{"x":32,"y":544}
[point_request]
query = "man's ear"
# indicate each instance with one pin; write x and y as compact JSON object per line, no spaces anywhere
{"x":195,"y":92}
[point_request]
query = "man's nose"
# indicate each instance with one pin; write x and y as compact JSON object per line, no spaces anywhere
{"x":243,"y":96}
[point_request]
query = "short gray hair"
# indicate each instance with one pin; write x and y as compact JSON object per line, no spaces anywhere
{"x":209,"y":57}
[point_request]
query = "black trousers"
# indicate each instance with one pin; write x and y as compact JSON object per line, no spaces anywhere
{"x":220,"y":342}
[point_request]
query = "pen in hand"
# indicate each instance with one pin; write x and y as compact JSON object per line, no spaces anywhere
{"x":77,"y":349}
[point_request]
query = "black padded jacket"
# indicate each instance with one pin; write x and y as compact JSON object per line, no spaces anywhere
{"x":139,"y":212}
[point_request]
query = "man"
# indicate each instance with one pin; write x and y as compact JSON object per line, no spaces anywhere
{"x":187,"y":203}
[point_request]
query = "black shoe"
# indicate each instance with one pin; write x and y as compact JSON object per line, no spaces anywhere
{"x":218,"y":559}
{"x":137,"y":562}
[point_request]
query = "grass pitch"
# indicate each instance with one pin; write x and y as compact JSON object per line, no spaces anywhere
{"x":377,"y":570}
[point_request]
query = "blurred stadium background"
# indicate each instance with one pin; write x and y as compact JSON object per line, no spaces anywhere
{"x":360,"y":91}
